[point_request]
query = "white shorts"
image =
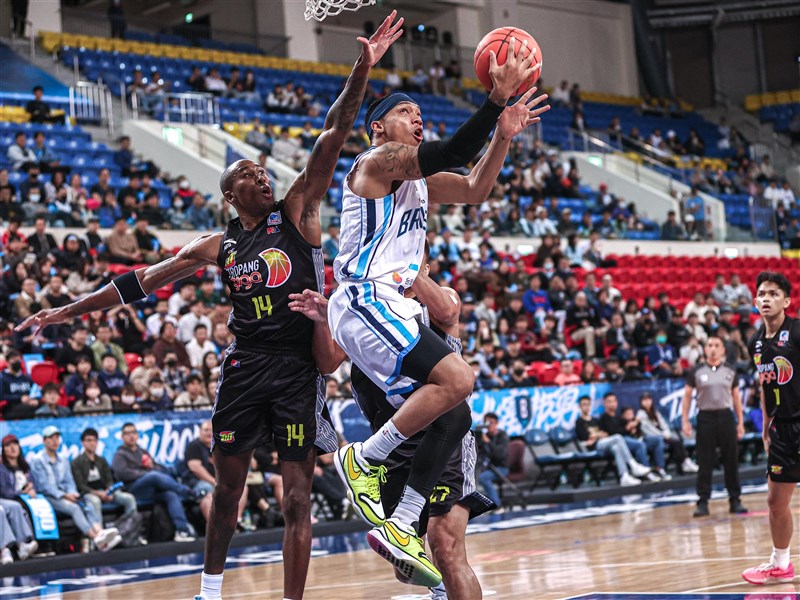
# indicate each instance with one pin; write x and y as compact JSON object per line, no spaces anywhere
{"x":377,"y":328}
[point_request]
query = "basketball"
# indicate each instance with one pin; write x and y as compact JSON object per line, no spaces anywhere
{"x":498,"y":40}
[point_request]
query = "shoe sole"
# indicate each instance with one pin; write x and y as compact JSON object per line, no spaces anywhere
{"x":339,"y":464}
{"x":769,"y":580}
{"x":406,"y":565}
{"x":110,"y":545}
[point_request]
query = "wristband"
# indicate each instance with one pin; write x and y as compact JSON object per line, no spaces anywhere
{"x":129,"y":287}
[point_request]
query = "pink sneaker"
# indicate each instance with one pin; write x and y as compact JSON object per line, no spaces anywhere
{"x":768,"y":573}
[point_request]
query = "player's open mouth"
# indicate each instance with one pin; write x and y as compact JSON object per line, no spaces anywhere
{"x":418,"y":135}
{"x":266,"y":190}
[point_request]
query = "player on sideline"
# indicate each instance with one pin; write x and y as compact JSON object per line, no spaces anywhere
{"x":269,"y":384}
{"x":455,"y":499}
{"x":385,"y":204}
{"x":775,"y":349}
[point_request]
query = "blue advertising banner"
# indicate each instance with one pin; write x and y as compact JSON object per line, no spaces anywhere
{"x":522,"y":409}
{"x":165,"y":435}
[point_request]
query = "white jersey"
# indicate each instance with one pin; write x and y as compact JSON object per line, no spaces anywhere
{"x":382,"y":240}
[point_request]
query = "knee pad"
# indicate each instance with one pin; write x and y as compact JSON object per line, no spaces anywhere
{"x":454,"y":423}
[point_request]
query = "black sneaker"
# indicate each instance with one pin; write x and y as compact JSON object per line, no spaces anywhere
{"x":736,"y":507}
{"x":701,"y":510}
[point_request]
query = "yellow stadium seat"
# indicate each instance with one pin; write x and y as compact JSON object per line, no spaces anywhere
{"x":783,"y":97}
{"x":51,"y":41}
{"x":153,"y":50}
{"x":121,"y":45}
{"x":169,"y":51}
{"x":69,"y":40}
{"x":795,"y":95}
{"x":752,"y":102}
{"x":104,"y":44}
{"x":87,"y":41}
{"x":768,"y":99}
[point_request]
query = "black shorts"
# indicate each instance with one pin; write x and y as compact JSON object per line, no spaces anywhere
{"x":783,"y":461}
{"x":264,"y":398}
{"x":456,"y":485}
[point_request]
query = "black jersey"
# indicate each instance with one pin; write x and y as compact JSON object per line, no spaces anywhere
{"x":776,"y":359}
{"x":261,"y":267}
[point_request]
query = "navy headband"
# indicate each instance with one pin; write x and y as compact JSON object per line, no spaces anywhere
{"x":382,"y":107}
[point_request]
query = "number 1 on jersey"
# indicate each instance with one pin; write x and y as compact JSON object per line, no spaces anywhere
{"x":777,"y":396}
{"x":263,"y":306}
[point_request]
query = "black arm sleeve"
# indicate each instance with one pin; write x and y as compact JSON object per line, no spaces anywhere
{"x":465,"y":144}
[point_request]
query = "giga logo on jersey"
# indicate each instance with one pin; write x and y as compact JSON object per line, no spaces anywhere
{"x":780,"y":370}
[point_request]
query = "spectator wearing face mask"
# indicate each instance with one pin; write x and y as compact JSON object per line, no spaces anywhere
{"x":157,"y":397}
{"x":15,"y":389}
{"x":92,"y":401}
{"x":128,"y":401}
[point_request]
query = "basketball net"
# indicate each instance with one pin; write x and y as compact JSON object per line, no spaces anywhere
{"x":319,"y":9}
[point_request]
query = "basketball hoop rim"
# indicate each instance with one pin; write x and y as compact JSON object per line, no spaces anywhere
{"x":319,"y":9}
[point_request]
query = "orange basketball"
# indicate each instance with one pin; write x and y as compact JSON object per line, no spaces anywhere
{"x":497,"y":40}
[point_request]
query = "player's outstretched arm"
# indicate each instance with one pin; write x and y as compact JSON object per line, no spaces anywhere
{"x":200,"y":252}
{"x":449,"y":188}
{"x":312,"y":184}
{"x":327,"y":353}
{"x":394,"y":161}
{"x":444,"y":305}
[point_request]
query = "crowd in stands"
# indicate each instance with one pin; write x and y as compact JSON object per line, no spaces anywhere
{"x":164,"y":353}
{"x":92,"y":490}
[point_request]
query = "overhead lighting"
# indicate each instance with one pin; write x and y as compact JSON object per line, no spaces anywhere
{"x":189,"y":17}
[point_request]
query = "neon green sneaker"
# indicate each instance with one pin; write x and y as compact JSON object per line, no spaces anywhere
{"x":400,"y":545}
{"x":362,"y":482}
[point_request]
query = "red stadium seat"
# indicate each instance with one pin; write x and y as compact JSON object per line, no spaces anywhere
{"x":44,"y":372}
{"x":133,"y":360}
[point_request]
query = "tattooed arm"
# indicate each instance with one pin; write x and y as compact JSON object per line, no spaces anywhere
{"x":200,"y":252}
{"x":393,"y":161}
{"x":306,"y":193}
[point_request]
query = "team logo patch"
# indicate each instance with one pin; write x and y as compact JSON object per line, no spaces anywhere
{"x":757,"y":359}
{"x":776,"y":469}
{"x":271,"y":230}
{"x":274,"y":219}
{"x":397,"y":278}
{"x":783,"y":338}
{"x":236,"y":363}
{"x":758,"y":345}
{"x":226,"y":437}
{"x":784,"y":368}
{"x":231,"y":260}
{"x":279,"y":266}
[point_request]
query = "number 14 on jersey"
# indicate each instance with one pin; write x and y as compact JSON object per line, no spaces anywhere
{"x":263,"y":306}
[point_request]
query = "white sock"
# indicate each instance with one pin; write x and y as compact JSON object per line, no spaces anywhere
{"x":211,"y":586}
{"x":410,"y":507}
{"x":382,"y":442}
{"x":781,"y":557}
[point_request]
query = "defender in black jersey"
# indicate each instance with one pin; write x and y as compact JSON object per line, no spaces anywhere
{"x":269,"y":382}
{"x":455,"y":499}
{"x":775,"y":349}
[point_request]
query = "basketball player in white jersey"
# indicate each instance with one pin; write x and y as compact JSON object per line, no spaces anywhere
{"x":384,"y":219}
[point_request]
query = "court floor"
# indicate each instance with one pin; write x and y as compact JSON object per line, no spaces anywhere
{"x":637,"y":548}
